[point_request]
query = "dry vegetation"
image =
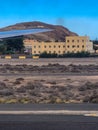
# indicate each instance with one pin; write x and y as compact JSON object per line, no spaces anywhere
{"x":48,"y":89}
{"x":22,"y":90}
{"x":50,"y":68}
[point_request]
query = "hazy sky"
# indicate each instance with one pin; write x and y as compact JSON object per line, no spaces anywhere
{"x":80,"y":16}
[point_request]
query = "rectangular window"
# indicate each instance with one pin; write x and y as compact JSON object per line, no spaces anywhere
{"x":68,"y":46}
{"x":73,"y":46}
{"x":59,"y":46}
{"x":78,"y":41}
{"x":82,"y":46}
{"x":54,"y":46}
{"x":50,"y":52}
{"x":77,"y":46}
{"x":67,"y":40}
{"x":34,"y":46}
{"x":72,"y":40}
{"x":34,"y":51}
{"x":63,"y":46}
{"x":49,"y":46}
{"x":44,"y":46}
{"x":39,"y":46}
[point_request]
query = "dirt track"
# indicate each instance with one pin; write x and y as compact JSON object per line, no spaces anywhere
{"x":62,"y":61}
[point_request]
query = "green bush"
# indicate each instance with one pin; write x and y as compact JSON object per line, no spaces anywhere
{"x":48,"y":55}
{"x":77,"y":55}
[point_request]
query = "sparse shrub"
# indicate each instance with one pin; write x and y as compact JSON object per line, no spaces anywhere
{"x":52,"y":82}
{"x":21,"y":89}
{"x":33,"y":85}
{"x":17,"y":82}
{"x":86,"y":99}
{"x":29,"y":85}
{"x":11,"y":101}
{"x":93,"y":99}
{"x":5,"y":80}
{"x":82,"y":88}
{"x":2,"y":85}
{"x":19,"y":79}
{"x":52,"y":100}
{"x":24,"y":100}
{"x":6,"y":92}
{"x":58,"y":101}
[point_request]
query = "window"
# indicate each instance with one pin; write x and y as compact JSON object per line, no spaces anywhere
{"x":54,"y":51}
{"x":82,"y":46}
{"x":59,"y":52}
{"x":67,"y":40}
{"x":50,"y":52}
{"x":82,"y":40}
{"x":44,"y":46}
{"x":68,"y":46}
{"x":39,"y":46}
{"x":77,"y":46}
{"x":63,"y":46}
{"x":34,"y":46}
{"x":59,"y":46}
{"x":72,"y":40}
{"x":78,"y":41}
{"x":49,"y":46}
{"x":54,"y":46}
{"x":73,"y":46}
{"x":64,"y":52}
{"x":34,"y":51}
{"x":39,"y":51}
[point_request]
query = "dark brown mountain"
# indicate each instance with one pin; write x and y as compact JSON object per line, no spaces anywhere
{"x":58,"y":34}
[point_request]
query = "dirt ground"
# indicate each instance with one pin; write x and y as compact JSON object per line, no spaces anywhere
{"x":44,"y":61}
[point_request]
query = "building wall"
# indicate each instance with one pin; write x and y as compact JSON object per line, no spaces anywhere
{"x":89,"y":47}
{"x":76,"y":44}
{"x":49,"y":47}
{"x":72,"y":44}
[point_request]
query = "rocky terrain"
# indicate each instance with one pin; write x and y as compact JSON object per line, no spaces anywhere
{"x":52,"y":83}
{"x":58,"y":33}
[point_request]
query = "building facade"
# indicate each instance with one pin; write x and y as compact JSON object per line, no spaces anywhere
{"x":49,"y":47}
{"x":72,"y":44}
{"x":76,"y":44}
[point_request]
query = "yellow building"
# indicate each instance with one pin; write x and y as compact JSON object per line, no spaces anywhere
{"x":76,"y":44}
{"x":40,"y":47}
{"x":72,"y":44}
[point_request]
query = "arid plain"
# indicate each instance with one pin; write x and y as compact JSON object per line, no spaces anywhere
{"x":49,"y":80}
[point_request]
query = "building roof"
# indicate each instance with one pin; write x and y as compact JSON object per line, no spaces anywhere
{"x":13,"y":33}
